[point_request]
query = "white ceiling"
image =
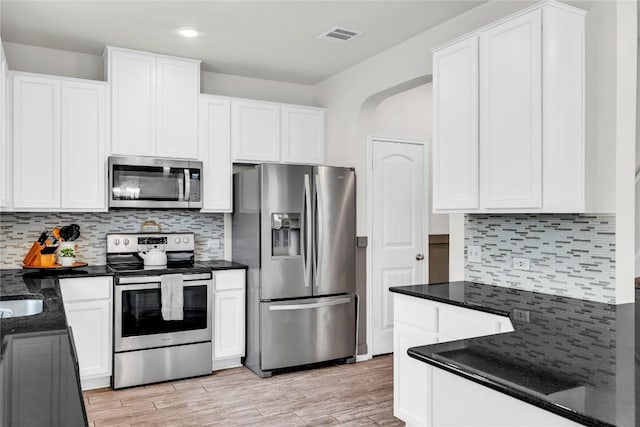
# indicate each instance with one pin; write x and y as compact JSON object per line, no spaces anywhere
{"x":273,"y":40}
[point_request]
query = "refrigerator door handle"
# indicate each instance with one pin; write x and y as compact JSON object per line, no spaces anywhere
{"x":318,"y":240}
{"x":338,"y":301}
{"x":306,"y":232}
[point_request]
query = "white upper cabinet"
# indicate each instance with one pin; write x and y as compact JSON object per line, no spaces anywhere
{"x":302,"y":131}
{"x":272,"y":132}
{"x":255,"y":131}
{"x":133,"y":99}
{"x":510,"y":113}
{"x":59,"y":156}
{"x":154,"y":104}
{"x":455,"y":130}
{"x":178,"y":90}
{"x":36,"y":142}
{"x":215,"y":153}
{"x":526,"y":153}
{"x":5,"y":158}
{"x":83,"y":148}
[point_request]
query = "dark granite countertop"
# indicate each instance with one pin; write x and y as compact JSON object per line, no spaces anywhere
{"x":576,"y":358}
{"x":221,"y":265}
{"x":40,"y":284}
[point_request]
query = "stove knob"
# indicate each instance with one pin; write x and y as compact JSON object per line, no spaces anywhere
{"x":185,"y":240}
{"x":177,"y":240}
{"x":116,"y":242}
{"x":126,"y":241}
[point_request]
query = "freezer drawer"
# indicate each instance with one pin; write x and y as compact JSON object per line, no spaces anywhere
{"x":303,"y":331}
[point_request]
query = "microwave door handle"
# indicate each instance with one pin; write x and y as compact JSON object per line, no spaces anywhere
{"x":187,"y":185}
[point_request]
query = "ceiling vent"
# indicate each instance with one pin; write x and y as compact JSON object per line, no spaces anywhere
{"x":339,"y":35}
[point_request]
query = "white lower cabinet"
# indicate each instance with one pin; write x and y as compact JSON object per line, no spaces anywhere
{"x":419,"y":322}
{"x":482,"y":405}
{"x":88,"y":307}
{"x":228,"y":318}
{"x":410,"y":391}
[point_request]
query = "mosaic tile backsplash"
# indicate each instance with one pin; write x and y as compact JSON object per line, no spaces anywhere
{"x":571,"y":255}
{"x":18,"y":231}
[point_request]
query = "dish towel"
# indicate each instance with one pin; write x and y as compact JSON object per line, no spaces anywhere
{"x":171,"y":286}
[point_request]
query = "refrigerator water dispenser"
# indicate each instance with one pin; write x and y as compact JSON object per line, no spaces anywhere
{"x":285,"y":234}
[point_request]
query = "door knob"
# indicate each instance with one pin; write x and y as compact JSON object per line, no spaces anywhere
{"x":419,"y":257}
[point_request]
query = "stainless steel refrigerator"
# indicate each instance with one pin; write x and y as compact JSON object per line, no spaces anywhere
{"x":294,"y":226}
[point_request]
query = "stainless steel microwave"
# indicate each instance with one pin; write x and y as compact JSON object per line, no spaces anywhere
{"x":148,"y":182}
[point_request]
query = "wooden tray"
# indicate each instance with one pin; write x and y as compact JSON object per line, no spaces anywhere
{"x":54,"y":266}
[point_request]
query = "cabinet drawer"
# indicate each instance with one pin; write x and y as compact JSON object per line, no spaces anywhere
{"x":86,"y":288}
{"x":466,"y":323}
{"x":229,"y":279}
{"x":415,"y":312}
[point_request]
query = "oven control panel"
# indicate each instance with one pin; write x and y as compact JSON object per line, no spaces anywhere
{"x":131,"y":242}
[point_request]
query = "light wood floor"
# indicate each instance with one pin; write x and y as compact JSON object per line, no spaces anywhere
{"x":359,"y":394}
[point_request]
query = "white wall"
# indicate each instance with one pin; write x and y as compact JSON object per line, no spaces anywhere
{"x":349,"y":94}
{"x":626,"y":79}
{"x":637,"y":224}
{"x":42,"y":60}
{"x":408,"y":115}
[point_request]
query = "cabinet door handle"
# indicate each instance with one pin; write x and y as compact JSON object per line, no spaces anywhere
{"x":419,"y":257}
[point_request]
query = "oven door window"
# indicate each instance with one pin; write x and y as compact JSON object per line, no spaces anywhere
{"x":147,"y":183}
{"x":142,"y":312}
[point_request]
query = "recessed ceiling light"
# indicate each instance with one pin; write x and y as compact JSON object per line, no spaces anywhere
{"x":188,"y":32}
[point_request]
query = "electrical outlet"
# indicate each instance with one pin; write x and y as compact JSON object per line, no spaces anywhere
{"x":521,"y":315}
{"x":213,"y":244}
{"x":474,"y":253}
{"x":522,"y":264}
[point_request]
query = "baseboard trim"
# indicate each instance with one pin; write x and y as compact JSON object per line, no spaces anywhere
{"x":362,"y":357}
{"x":234,"y":362}
{"x":93,"y":383}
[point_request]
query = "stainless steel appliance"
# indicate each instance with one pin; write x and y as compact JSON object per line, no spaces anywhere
{"x":147,"y":348}
{"x":294,"y":226}
{"x":147,"y":182}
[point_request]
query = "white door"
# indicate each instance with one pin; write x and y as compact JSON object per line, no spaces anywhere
{"x":511,"y":114}
{"x":83,"y":156}
{"x":178,"y":89}
{"x":398,"y":219}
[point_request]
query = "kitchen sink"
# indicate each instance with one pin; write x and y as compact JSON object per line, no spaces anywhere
{"x":20,"y":307}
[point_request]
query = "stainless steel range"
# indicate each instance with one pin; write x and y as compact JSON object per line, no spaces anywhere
{"x":147,"y":348}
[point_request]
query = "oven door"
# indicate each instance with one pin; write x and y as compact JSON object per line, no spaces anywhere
{"x":138,"y":316}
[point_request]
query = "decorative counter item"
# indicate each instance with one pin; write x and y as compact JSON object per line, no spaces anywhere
{"x":150,"y":227}
{"x":66,"y":257}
